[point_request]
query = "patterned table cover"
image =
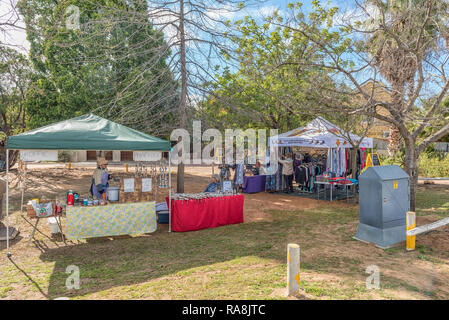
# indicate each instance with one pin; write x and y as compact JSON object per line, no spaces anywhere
{"x":110,"y":220}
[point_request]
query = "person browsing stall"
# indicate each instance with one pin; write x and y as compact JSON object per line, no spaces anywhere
{"x":287,"y":171}
{"x":100,"y":179}
{"x":212,"y":187}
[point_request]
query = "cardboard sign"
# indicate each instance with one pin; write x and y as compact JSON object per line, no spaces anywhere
{"x":147,"y":184}
{"x":147,"y":155}
{"x":128,"y":185}
{"x":373,"y":160}
{"x":227,"y":186}
{"x":38,"y":155}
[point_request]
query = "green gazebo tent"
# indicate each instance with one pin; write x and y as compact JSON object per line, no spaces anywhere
{"x":88,"y":132}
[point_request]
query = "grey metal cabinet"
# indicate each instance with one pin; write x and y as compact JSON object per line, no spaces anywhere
{"x":384,"y":199}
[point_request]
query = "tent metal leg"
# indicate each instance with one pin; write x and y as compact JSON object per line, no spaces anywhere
{"x":58,"y":221}
{"x":169,"y":191}
{"x":8,"y":254}
{"x":34,"y":230}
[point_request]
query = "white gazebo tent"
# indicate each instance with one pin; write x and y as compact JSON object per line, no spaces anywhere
{"x":319,"y":133}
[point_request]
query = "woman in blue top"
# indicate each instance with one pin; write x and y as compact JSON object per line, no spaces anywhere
{"x":213,"y":186}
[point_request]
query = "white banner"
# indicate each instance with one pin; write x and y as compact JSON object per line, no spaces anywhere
{"x":39,"y":155}
{"x":147,"y":155}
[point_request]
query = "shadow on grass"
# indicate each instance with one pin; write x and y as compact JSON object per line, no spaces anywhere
{"x":106,"y":263}
{"x":35,"y":284}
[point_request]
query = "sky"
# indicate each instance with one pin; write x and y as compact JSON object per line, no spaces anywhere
{"x":17,"y":38}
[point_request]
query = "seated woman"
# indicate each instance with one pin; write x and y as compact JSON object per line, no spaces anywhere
{"x":213,"y":186}
{"x":100,"y":179}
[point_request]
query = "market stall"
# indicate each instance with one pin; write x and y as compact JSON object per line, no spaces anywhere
{"x":99,"y":217}
{"x":332,"y":159}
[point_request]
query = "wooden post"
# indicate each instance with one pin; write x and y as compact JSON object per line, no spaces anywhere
{"x":293,"y":266}
{"x":411,"y":224}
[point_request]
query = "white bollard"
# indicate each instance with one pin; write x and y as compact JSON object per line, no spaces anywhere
{"x":293,"y":266}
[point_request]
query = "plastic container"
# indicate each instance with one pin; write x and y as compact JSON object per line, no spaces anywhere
{"x":113,"y":193}
{"x":70,"y":198}
{"x":53,"y":224}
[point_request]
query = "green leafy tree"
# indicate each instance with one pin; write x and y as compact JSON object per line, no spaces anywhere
{"x":265,"y":91}
{"x":15,"y":76}
{"x":108,"y":63}
{"x":409,"y":59}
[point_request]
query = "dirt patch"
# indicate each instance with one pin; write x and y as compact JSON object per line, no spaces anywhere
{"x":437,"y":240}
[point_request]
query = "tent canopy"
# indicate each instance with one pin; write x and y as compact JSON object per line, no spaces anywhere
{"x":87,"y":132}
{"x":318,"y":133}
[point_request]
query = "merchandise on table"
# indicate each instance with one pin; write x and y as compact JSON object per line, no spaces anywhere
{"x":323,"y":178}
{"x":70,"y":198}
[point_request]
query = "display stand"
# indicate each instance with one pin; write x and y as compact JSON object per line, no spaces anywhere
{"x":35,"y":228}
{"x":54,"y":215}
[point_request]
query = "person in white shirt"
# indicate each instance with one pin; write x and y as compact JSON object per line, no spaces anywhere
{"x":287,"y":171}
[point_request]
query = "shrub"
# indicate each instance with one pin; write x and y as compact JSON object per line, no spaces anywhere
{"x":431,"y":167}
{"x":430,"y":164}
{"x":64,"y":156}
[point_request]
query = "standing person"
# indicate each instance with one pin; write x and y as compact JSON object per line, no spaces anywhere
{"x":100,"y":179}
{"x":287,"y":171}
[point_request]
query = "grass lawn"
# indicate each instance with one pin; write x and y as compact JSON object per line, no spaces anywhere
{"x":246,"y":261}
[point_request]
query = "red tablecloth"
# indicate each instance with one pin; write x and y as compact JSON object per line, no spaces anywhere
{"x":189,"y":215}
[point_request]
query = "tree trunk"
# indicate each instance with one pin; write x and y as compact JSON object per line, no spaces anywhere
{"x":411,"y":167}
{"x":182,"y":104}
{"x":354,"y":168}
{"x":354,"y":162}
{"x":395,"y":140}
{"x":395,"y":135}
{"x":13,"y":157}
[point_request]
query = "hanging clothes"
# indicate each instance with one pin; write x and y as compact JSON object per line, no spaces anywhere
{"x":238,"y":175}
